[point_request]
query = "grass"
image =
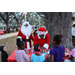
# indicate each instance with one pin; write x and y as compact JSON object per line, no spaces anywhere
{"x":10,"y":43}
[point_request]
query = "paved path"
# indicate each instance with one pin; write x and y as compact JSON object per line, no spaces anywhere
{"x":8,"y":35}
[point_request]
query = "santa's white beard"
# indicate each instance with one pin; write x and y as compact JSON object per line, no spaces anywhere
{"x":41,"y":33}
{"x":26,"y":30}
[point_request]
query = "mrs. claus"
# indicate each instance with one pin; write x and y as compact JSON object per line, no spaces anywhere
{"x":42,"y":38}
{"x":26,"y":34}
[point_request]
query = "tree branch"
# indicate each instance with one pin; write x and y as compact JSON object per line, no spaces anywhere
{"x":2,"y":17}
{"x":41,"y":14}
{"x":20,"y":15}
{"x":16,"y":19}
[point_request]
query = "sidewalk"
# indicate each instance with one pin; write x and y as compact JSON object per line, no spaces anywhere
{"x":8,"y":35}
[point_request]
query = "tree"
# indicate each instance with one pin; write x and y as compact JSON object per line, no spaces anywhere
{"x":73,"y":16}
{"x":32,"y":18}
{"x":42,"y":18}
{"x":59,"y":23}
{"x":18,"y":16}
{"x":5,"y":17}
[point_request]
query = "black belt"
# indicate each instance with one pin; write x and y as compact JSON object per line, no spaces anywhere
{"x":26,"y":40}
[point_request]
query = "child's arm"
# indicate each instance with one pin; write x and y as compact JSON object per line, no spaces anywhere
{"x":48,"y":58}
{"x":64,"y":54}
{"x":29,"y":60}
{"x":52,"y":58}
{"x":52,"y":53}
{"x":25,"y":57}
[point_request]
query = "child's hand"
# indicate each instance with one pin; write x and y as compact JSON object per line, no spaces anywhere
{"x":48,"y":56}
{"x":42,"y":48}
{"x":5,"y":49}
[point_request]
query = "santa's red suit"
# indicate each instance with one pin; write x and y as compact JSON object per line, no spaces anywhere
{"x":45,"y":42}
{"x":26,"y":34}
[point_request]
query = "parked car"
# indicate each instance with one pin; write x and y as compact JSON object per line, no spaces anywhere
{"x":1,"y":32}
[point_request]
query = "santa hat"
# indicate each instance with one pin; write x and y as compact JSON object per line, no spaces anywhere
{"x":42,"y":31}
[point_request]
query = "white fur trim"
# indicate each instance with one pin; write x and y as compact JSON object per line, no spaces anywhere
{"x":46,"y":46}
{"x":40,"y":32}
{"x":19,"y":37}
{"x":28,"y":45}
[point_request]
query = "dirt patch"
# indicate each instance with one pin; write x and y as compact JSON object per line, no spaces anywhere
{"x":10,"y":43}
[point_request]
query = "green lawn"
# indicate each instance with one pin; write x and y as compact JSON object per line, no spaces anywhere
{"x":10,"y":43}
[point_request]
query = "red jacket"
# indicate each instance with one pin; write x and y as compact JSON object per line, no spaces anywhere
{"x":24,"y":37}
{"x":41,"y":42}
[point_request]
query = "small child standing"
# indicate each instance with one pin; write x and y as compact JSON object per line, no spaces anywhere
{"x":72,"y":53}
{"x":58,"y":52}
{"x":73,"y":31}
{"x":20,"y":54}
{"x":37,"y":57}
{"x":4,"y":55}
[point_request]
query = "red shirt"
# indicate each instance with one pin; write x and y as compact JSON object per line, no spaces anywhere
{"x":41,"y":42}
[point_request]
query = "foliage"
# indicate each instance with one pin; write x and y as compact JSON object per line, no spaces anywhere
{"x":17,"y":18}
{"x":1,"y":27}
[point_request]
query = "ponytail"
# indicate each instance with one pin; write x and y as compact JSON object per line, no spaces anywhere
{"x":19,"y":42}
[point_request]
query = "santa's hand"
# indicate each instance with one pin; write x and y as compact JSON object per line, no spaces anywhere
{"x":42,"y":48}
{"x":46,"y":46}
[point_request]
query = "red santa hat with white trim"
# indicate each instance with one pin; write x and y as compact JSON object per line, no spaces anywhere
{"x":40,"y":32}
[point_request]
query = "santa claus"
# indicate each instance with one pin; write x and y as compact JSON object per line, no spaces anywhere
{"x":42,"y":38}
{"x":26,"y":34}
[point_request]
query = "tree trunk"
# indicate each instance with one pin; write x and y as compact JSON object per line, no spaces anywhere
{"x":7,"y":20}
{"x":7,"y":25}
{"x":60,"y":23}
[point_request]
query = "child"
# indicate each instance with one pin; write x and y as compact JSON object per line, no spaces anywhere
{"x":37,"y":57}
{"x":4,"y":55}
{"x":73,"y":31}
{"x":20,"y":54}
{"x":72,"y":53}
{"x":57,"y":53}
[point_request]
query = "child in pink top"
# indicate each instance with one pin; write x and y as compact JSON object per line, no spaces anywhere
{"x":20,"y":54}
{"x":72,"y":53}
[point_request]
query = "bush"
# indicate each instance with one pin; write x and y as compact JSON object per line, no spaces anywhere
{"x":1,"y":27}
